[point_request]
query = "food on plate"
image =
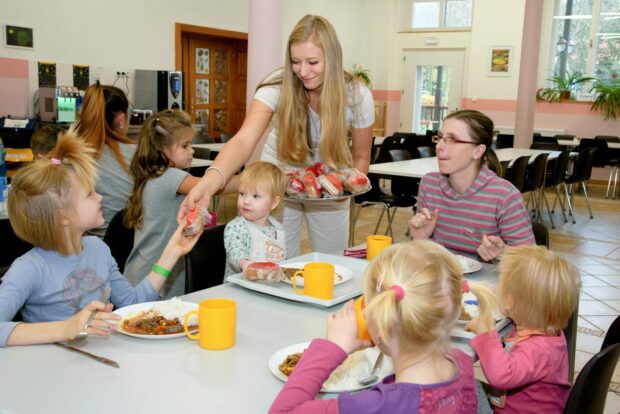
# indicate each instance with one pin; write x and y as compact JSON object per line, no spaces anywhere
{"x":196,"y":218}
{"x":330,"y":183}
{"x":345,"y":376}
{"x":289,"y":363}
{"x":266,"y":271}
{"x":318,"y":168}
{"x":356,"y":182}
{"x":290,"y":271}
{"x":313,"y":190}
{"x":295,"y":187}
{"x":164,"y":318}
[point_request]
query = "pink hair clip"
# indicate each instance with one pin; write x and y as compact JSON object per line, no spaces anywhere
{"x":380,"y":282}
{"x":55,"y":161}
{"x":465,"y":286}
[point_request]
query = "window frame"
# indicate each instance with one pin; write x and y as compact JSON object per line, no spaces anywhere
{"x":408,"y":26}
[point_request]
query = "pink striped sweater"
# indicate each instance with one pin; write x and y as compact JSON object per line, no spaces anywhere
{"x":491,"y":205}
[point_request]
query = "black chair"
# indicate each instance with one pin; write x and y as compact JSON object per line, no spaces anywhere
{"x":582,"y":170}
{"x":426,"y":152}
{"x":505,"y":166}
{"x":505,"y":140}
{"x":589,"y":392}
{"x":541,"y":234}
{"x":570,"y":334}
{"x":613,"y":334}
{"x":549,"y":146}
{"x":611,"y":159}
{"x":12,"y":246}
{"x":202,"y":153}
{"x":206,"y":263}
{"x":120,"y":239}
{"x":540,"y":139}
{"x":554,"y":178}
{"x":534,"y":181}
{"x":402,"y":194}
{"x":517,"y":170}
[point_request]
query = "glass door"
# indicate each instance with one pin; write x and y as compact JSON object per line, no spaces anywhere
{"x":432,"y":87}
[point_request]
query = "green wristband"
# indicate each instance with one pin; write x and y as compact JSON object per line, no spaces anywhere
{"x":160,"y":270}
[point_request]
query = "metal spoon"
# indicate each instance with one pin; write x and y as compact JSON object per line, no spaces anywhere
{"x":372,"y":377}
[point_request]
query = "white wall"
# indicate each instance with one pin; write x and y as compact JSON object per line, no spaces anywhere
{"x":136,"y":34}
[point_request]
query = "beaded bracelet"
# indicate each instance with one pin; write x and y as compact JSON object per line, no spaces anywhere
{"x":160,"y":270}
{"x":213,"y":167}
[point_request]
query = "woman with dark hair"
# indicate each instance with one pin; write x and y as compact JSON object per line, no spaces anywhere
{"x":466,"y":206}
{"x":103,"y":123}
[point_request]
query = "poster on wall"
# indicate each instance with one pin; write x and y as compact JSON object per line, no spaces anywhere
{"x":17,"y":36}
{"x":47,"y":74}
{"x":500,"y":61}
{"x":81,"y":76}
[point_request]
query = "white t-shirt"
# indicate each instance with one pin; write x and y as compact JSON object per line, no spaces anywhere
{"x":359,"y":113}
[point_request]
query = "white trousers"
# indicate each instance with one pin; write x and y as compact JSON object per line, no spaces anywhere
{"x":327,"y":223}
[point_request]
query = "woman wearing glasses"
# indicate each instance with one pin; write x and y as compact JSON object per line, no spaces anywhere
{"x":466,"y":206}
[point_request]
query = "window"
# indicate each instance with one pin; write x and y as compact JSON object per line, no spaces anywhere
{"x":427,"y":14}
{"x":586,"y":38}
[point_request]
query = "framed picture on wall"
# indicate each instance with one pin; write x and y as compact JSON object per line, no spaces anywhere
{"x":500,"y":61}
{"x":17,"y":36}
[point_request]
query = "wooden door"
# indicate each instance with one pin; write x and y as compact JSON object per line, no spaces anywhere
{"x":217,"y":79}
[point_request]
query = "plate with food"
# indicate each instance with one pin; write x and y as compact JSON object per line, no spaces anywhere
{"x":341,"y":273}
{"x":468,"y":264}
{"x":320,"y":183}
{"x":157,"y":320}
{"x":344,"y":378}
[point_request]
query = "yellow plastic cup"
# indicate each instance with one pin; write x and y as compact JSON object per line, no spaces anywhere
{"x":217,"y":324}
{"x":318,"y":280}
{"x":362,"y":328}
{"x":375,"y":245}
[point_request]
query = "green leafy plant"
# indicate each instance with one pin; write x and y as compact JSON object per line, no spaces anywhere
{"x":362,"y":75}
{"x":563,"y":87}
{"x":607,"y":98}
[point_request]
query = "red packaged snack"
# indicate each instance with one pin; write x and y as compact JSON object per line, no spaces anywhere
{"x":295,"y":187}
{"x":196,"y":218}
{"x":313,"y":190}
{"x":267,"y":271}
{"x":356,"y":182}
{"x":331,"y":184}
{"x":318,"y":168}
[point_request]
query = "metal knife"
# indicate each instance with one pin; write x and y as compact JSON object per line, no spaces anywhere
{"x":88,"y":354}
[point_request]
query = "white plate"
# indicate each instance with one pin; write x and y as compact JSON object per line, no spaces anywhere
{"x":327,"y":198}
{"x":469,"y":265}
{"x":364,"y":358}
{"x":347,"y":274}
{"x":132,"y":310}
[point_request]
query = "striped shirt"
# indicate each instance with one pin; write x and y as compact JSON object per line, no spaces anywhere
{"x":491,"y":205}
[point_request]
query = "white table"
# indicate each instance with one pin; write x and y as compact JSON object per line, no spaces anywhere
{"x":575,"y":142}
{"x":214,"y":147}
{"x":419,"y":167}
{"x":199,"y":162}
{"x":170,"y":375}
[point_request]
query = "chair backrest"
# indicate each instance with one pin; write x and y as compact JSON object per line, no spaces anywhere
{"x":517,"y":172}
{"x":206,"y":263}
{"x":535,"y":173}
{"x":120,"y":239}
{"x":505,"y":169}
{"x":613,"y":334}
{"x":505,"y":140}
{"x":540,"y":138}
{"x":601,"y":157}
{"x":426,"y":152}
{"x":570,"y":334}
{"x":388,"y":144}
{"x":202,"y":153}
{"x":608,"y":138}
{"x":589,"y":392}
{"x":583,"y":165}
{"x":402,"y":186}
{"x":551,"y":146}
{"x":541,"y":234}
{"x":559,"y":171}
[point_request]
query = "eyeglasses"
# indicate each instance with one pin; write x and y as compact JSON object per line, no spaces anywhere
{"x":449,"y":140}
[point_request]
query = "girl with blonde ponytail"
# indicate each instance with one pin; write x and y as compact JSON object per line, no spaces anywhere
{"x":413,"y":296}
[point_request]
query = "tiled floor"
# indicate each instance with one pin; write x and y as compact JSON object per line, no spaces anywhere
{"x":593,"y":245}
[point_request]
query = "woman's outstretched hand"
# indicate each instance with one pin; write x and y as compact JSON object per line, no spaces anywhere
{"x":197,"y":196}
{"x":422,"y":225}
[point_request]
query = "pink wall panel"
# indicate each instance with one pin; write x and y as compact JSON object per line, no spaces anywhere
{"x":13,"y":68}
{"x":18,"y":91}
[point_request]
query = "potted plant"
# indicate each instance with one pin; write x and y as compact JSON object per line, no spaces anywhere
{"x":362,"y":75}
{"x":607,"y":98}
{"x":563,"y":87}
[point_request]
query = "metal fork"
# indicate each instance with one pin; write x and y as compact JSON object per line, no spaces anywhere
{"x":478,"y":234}
{"x":105,"y":295}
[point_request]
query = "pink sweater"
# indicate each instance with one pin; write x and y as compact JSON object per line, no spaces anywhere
{"x":534,"y":372}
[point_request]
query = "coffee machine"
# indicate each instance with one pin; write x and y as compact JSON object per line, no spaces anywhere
{"x":157,"y":90}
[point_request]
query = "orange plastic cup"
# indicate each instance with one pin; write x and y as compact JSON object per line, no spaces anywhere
{"x":376,"y":244}
{"x":362,"y":329}
{"x":318,"y":280}
{"x":217,"y":324}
